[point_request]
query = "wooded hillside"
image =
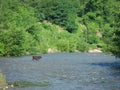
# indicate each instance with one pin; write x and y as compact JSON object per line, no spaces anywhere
{"x":36,"y":26}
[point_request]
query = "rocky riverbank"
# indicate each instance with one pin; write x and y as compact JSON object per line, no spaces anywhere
{"x":97,"y":50}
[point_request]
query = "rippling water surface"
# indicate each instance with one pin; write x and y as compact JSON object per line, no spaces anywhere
{"x":64,"y":71}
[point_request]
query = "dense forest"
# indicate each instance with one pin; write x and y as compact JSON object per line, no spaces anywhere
{"x":36,"y":26}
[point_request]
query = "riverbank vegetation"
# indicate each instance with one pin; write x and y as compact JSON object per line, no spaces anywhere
{"x":2,"y":81}
{"x":42,"y":26}
{"x":23,"y":84}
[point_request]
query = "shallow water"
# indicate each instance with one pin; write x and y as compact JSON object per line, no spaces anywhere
{"x":64,"y":71}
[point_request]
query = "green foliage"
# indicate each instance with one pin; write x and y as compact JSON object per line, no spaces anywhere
{"x":2,"y":49}
{"x":92,"y":28}
{"x":34,"y":26}
{"x":103,"y":14}
{"x":63,"y":45}
{"x":16,"y":42}
{"x":14,"y":20}
{"x":71,"y":25}
{"x":116,"y":25}
{"x":61,"y":12}
{"x":50,"y":37}
{"x":15,"y":15}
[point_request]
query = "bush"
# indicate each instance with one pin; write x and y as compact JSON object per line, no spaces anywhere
{"x":63,"y":45}
{"x":82,"y":45}
{"x":16,"y":42}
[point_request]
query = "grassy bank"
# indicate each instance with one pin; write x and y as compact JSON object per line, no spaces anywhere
{"x":2,"y":81}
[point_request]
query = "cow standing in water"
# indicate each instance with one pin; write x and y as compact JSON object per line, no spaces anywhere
{"x":36,"y":58}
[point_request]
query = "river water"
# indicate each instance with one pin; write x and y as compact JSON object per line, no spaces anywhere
{"x":64,"y":71}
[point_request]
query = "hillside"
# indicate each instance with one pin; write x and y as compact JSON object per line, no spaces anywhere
{"x":42,"y":26}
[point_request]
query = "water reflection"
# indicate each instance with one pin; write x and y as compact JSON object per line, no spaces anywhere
{"x":114,"y":67}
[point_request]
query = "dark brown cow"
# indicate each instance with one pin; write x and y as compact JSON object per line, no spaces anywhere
{"x":36,"y":58}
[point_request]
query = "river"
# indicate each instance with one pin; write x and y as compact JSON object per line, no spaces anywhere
{"x":64,"y":71}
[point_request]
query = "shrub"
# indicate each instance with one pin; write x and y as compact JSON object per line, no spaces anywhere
{"x":16,"y":42}
{"x":82,"y":45}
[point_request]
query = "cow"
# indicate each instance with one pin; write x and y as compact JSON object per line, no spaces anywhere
{"x":36,"y":58}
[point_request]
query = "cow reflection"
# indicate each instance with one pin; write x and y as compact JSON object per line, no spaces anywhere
{"x":36,"y":58}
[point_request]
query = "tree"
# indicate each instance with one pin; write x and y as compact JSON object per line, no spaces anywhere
{"x":15,"y":19}
{"x":60,"y":12}
{"x":116,"y":24}
{"x":16,"y":15}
